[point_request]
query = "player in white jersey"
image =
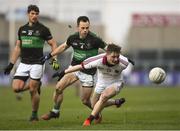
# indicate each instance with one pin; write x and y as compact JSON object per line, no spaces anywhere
{"x":109,"y":79}
{"x":106,"y":74}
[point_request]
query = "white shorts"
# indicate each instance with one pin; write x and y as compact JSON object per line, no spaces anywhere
{"x":34,"y":71}
{"x":117,"y":85}
{"x":85,"y":79}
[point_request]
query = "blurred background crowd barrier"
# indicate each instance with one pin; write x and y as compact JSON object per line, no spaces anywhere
{"x":151,"y":37}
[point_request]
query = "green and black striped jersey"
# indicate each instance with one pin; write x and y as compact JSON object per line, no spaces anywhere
{"x":32,"y":42}
{"x":84,"y":48}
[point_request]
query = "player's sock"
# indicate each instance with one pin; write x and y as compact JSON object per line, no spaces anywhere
{"x":91,"y":118}
{"x":56,"y":108}
{"x":34,"y":114}
{"x":97,"y":117}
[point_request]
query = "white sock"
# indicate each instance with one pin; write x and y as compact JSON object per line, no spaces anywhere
{"x":55,"y":110}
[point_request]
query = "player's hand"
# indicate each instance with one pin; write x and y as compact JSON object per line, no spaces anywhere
{"x":45,"y":58}
{"x":54,"y":63}
{"x":59,"y":75}
{"x":8,"y":69}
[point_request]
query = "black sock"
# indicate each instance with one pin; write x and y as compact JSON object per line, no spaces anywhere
{"x":97,"y":116}
{"x":91,"y":117}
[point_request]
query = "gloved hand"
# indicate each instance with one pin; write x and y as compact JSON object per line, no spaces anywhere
{"x":8,"y":69}
{"x":54,"y":63}
{"x":59,"y":75}
{"x":45,"y":58}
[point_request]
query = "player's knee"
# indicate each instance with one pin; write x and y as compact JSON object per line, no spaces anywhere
{"x":33,"y":91}
{"x":103,"y":98}
{"x":59,"y":91}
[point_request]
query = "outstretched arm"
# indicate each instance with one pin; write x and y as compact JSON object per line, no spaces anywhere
{"x":84,"y":65}
{"x":69,"y":70}
{"x":73,"y":69}
{"x":59,"y":49}
{"x":55,"y":51}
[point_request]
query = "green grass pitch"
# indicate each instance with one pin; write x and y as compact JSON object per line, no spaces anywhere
{"x":145,"y":109}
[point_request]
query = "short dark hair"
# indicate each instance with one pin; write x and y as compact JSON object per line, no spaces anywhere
{"x":113,"y":48}
{"x":33,"y":8}
{"x":82,"y":18}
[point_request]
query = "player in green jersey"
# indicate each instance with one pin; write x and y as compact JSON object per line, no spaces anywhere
{"x":29,"y":47}
{"x":85,"y":44}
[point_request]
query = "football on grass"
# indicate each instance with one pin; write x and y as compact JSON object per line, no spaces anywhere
{"x":157,"y":75}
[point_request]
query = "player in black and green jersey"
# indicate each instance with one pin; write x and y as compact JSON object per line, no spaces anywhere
{"x":85,"y":44}
{"x":29,"y":47}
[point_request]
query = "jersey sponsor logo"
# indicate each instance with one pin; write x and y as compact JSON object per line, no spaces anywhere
{"x":104,"y":70}
{"x":79,"y":56}
{"x":32,"y":42}
{"x":26,"y":41}
{"x":84,"y":54}
{"x":109,"y":71}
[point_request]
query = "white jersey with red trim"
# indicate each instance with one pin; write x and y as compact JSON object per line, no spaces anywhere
{"x":106,"y":74}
